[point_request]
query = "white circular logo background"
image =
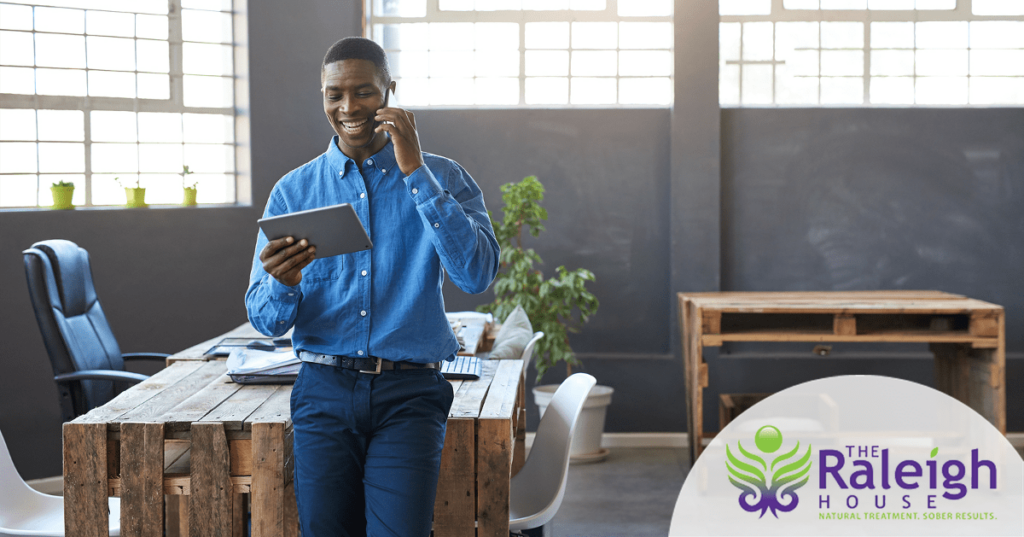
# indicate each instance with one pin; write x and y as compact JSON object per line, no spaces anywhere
{"x":855,"y":455}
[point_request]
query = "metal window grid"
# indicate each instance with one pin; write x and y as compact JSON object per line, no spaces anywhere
{"x":240,"y":189}
{"x":434,"y":14}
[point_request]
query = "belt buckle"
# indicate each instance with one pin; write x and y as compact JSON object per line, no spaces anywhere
{"x":376,"y":371}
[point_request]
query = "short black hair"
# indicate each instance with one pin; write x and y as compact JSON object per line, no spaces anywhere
{"x":358,"y":48}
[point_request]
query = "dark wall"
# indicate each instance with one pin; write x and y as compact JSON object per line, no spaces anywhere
{"x":811,"y":199}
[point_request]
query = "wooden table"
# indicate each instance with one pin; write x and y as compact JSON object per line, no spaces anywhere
{"x":967,"y":337}
{"x":215,"y":450}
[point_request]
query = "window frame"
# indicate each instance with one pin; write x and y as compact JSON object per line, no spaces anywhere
{"x":433,"y":14}
{"x":239,"y":112}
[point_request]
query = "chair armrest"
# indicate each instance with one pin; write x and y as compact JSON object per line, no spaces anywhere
{"x":100,"y":374}
{"x":155,"y":356}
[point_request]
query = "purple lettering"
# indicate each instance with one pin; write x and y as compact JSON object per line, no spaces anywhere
{"x":863,"y":478}
{"x":902,"y":472}
{"x":976,"y":465}
{"x":827,"y":469}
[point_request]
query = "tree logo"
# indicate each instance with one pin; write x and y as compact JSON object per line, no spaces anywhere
{"x":751,"y":477}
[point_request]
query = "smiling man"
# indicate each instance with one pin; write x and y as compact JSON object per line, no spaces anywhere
{"x":370,"y":405}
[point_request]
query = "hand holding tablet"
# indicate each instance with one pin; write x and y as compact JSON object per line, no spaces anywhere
{"x":297,"y":238}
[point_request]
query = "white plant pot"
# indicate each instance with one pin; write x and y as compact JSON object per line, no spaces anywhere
{"x":586,"y":441}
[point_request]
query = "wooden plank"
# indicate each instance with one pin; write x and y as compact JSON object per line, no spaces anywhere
{"x":177,"y":516}
{"x":137,"y":394}
{"x":909,"y":336}
{"x":504,"y":390}
{"x":455,"y":504}
{"x":174,"y":450}
{"x":712,"y":322}
{"x":239,"y":508}
{"x":984,"y":325}
{"x":702,"y":374}
{"x":233,"y":411}
{"x":291,"y":512}
{"x":211,"y":489}
{"x":188,"y":413}
{"x":241,"y":456}
{"x":154,"y":408}
{"x":277,"y":408}
{"x":494,"y":466}
{"x":519,"y":451}
{"x":268,"y":479}
{"x":85,"y":480}
{"x":470,"y":397}
{"x":142,"y":476}
{"x":844,"y":325}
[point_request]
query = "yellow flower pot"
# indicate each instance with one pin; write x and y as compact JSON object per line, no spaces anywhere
{"x":62,"y":196}
{"x":189,"y":198}
{"x":136,"y":197}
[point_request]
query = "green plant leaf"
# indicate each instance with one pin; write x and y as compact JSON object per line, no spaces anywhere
{"x":934,"y":453}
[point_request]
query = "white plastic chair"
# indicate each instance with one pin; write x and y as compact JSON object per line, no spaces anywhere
{"x":25,"y":511}
{"x":528,"y":350}
{"x":536,"y":491}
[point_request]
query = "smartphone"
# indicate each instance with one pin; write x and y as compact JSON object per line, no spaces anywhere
{"x":386,"y":95}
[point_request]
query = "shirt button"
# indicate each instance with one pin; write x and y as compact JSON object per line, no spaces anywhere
{"x":362,"y":195}
{"x":363,"y":313}
{"x":291,"y":294}
{"x":383,"y":170}
{"x":360,"y":353}
{"x":364,"y":273}
{"x":280,"y":322}
{"x":369,"y":162}
{"x":415,"y":191}
{"x":436,"y":225}
{"x":341,"y":173}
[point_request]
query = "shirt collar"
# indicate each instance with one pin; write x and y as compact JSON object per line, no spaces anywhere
{"x":382,"y":160}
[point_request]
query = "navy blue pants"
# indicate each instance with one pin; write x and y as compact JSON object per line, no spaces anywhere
{"x":368,"y":450}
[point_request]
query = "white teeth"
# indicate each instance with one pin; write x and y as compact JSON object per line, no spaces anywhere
{"x":353,"y":125}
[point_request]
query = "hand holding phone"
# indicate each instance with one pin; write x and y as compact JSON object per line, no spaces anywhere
{"x":401,"y":125}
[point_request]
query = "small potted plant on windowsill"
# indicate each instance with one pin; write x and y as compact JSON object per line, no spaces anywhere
{"x":188,"y":192}
{"x":135,"y":196}
{"x":555,"y":306}
{"x":63,"y":192}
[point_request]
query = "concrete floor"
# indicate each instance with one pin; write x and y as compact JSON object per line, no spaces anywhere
{"x":631,"y":494}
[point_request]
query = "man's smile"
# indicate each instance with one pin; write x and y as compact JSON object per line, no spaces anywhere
{"x":355,"y":124}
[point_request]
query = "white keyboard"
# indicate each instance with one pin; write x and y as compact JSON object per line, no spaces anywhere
{"x":463,"y":368}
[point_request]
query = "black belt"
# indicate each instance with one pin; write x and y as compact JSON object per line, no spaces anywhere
{"x":370,"y":364}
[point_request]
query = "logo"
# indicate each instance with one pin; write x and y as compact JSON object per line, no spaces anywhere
{"x":787,"y":473}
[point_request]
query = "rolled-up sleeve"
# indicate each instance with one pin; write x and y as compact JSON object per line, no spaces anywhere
{"x":451,"y":206}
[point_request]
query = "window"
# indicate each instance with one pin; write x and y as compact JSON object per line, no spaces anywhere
{"x":871,"y":52}
{"x":97,"y":90}
{"x":527,"y":52}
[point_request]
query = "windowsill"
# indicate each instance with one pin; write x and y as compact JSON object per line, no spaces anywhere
{"x":123,"y":208}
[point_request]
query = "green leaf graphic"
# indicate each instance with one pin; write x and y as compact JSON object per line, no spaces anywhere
{"x":785,"y":456}
{"x":780,"y":478}
{"x":935,"y":452}
{"x":743,"y":466}
{"x":751,"y":456}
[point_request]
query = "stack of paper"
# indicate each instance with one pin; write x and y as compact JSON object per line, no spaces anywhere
{"x":257,"y":365}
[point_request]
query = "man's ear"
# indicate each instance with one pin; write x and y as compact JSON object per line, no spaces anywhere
{"x":392,"y":86}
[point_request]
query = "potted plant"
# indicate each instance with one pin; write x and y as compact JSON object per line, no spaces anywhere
{"x":189,"y":191}
{"x":556,"y":306}
{"x":63,"y":192}
{"x":135,"y":196}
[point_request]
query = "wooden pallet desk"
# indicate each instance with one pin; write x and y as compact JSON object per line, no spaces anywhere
{"x":967,"y":336}
{"x":215,"y":450}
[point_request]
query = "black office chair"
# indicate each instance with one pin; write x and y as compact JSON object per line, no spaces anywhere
{"x":83,"y":352}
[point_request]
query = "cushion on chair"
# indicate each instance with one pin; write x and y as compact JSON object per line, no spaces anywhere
{"x":515,"y":333}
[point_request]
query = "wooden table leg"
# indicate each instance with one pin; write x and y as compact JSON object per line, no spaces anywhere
{"x":142,"y":479}
{"x":85,"y":480}
{"x":494,"y":466}
{"x":291,"y":512}
{"x":210,"y":501}
{"x":975,"y":377}
{"x":695,"y":372}
{"x":177,"y":515}
{"x":268,"y":479}
{"x":455,"y":504}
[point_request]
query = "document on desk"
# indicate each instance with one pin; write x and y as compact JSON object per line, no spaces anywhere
{"x":257,"y":366}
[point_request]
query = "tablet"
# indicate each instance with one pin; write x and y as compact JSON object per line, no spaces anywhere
{"x":334,"y":230}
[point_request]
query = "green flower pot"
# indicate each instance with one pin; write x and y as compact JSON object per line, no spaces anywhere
{"x":136,"y":197}
{"x":62,"y":196}
{"x":189,"y":199}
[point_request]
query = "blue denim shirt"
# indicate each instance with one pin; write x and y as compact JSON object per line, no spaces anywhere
{"x":386,"y":301}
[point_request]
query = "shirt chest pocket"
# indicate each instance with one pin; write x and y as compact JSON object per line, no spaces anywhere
{"x":325,"y":269}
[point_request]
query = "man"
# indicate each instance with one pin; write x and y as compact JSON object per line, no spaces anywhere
{"x":368,"y":444}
